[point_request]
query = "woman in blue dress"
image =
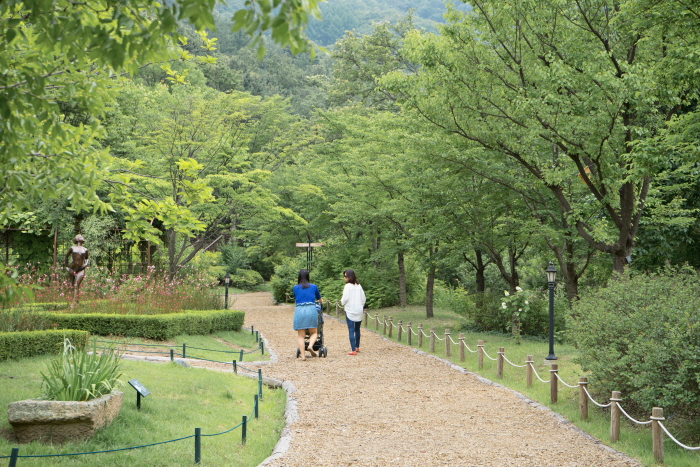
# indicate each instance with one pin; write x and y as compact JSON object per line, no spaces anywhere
{"x":305,"y":314}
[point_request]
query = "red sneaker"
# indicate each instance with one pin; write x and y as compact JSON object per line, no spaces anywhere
{"x":352,"y":353}
{"x":357,"y":350}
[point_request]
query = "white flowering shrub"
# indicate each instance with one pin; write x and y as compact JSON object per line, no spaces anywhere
{"x":516,"y":306}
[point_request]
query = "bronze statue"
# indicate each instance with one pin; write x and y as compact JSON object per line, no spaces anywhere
{"x":76,"y":270}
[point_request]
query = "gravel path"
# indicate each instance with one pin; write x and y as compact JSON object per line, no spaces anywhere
{"x":390,"y":405}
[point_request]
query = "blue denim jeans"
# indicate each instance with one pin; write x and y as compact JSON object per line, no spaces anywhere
{"x":354,"y":332}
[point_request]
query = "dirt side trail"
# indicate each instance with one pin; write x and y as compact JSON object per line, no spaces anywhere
{"x":389,"y":405}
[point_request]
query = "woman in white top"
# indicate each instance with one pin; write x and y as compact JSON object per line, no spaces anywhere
{"x":354,"y":302}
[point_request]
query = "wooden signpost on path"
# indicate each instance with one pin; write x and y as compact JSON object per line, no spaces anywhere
{"x":309,"y":252}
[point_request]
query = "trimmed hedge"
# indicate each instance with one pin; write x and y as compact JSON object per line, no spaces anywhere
{"x":32,"y":343}
{"x":157,"y":327}
{"x":49,"y":306}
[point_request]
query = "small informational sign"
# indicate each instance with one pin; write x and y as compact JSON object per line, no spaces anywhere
{"x":309,"y":245}
{"x":139,"y":388}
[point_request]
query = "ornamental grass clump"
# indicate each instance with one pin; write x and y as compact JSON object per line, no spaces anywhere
{"x":81,"y":376}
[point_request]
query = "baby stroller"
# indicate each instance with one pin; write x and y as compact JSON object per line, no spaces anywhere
{"x":317,"y":346}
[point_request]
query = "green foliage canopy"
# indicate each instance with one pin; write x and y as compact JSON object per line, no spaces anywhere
{"x":197,"y":160}
{"x":58,"y":63}
{"x":568,"y":91}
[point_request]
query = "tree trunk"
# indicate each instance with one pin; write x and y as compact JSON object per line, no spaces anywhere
{"x":571,"y":282}
{"x":515,"y":328}
{"x":402,"y":279}
{"x":143,"y":251}
{"x":429,"y":289}
{"x":480,"y":269}
{"x":510,"y":275}
{"x":376,"y":245}
{"x":567,"y":265}
{"x":171,"y":236}
{"x":569,"y":269}
{"x":619,"y":261}
{"x":514,"y":277}
{"x":430,"y":285}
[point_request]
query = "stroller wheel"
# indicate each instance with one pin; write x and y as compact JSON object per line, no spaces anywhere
{"x":298,"y":353}
{"x":324,"y":352}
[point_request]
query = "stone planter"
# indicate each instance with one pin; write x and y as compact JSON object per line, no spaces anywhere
{"x":61,"y":421}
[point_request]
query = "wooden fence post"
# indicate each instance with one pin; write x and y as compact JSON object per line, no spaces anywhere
{"x":384,"y":325}
{"x":432,"y":340}
{"x":336,"y":309}
{"x":528,"y":370}
{"x":328,"y":308}
{"x":657,"y":434}
{"x":408,"y":333}
{"x":376,"y":321}
{"x":391,"y":326}
{"x":554,"y":384}
{"x":447,"y":342}
{"x":461,"y":346}
{"x":420,"y":336}
{"x":615,"y":416}
{"x":366,"y":312}
{"x":499,"y":363}
{"x":480,"y":353}
{"x":398,"y":333}
{"x":583,"y":398}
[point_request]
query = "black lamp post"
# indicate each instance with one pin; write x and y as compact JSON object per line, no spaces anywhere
{"x":551,"y":277}
{"x":227,"y":278}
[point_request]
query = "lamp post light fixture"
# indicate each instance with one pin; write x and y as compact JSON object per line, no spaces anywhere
{"x":227,"y":279}
{"x":551,"y":277}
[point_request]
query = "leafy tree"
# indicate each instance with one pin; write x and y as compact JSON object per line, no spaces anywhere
{"x":564,"y":90}
{"x":371,"y":195}
{"x":99,"y":234}
{"x":497,"y":193}
{"x":55,"y":53}
{"x":359,"y":60}
{"x":187,"y":154}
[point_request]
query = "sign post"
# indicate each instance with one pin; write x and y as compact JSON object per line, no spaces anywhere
{"x":309,"y":252}
{"x":140,"y":391}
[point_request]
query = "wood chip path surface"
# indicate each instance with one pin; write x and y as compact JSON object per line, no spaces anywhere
{"x":390,"y":405}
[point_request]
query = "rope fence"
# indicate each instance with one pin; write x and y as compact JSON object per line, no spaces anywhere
{"x":616,"y":410}
{"x":184,"y":354}
{"x":14,"y":456}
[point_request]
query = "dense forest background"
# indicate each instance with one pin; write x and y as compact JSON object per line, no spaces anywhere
{"x":396,"y":147}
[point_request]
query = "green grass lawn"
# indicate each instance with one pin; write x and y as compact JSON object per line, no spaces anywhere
{"x":635,"y":440}
{"x":181,"y":400}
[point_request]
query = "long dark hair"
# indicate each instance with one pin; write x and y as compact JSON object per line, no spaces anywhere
{"x":350,"y":274}
{"x":303,"y":278}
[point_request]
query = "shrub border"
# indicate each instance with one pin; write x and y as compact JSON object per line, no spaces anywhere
{"x":157,"y":327}
{"x":16,"y":345}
